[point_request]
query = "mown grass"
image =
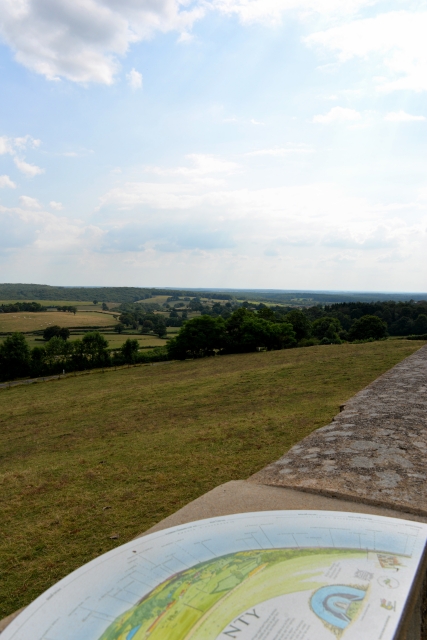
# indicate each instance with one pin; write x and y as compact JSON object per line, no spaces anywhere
{"x":84,"y":459}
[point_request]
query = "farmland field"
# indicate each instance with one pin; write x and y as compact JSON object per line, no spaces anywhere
{"x":154,"y":300}
{"x":26,"y":321}
{"x":115,"y":340}
{"x":90,"y":457}
{"x":57,"y":303}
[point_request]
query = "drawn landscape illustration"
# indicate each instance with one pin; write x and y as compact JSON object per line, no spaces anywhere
{"x":238,"y":596}
{"x":199,"y":602}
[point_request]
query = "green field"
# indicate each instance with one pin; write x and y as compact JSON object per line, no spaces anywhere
{"x":115,"y":340}
{"x":25,"y":321}
{"x":154,"y":300}
{"x":90,"y":458}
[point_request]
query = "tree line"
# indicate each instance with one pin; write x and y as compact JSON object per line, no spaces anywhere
{"x":18,"y":360}
{"x":247,"y":330}
{"x":401,"y":318}
{"x":34,"y":307}
{"x":146,"y":317}
{"x":222,"y":329}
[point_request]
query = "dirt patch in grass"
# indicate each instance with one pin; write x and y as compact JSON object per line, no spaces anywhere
{"x":83,"y":459}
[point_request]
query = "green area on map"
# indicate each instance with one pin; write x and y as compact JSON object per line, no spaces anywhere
{"x":199,"y":602}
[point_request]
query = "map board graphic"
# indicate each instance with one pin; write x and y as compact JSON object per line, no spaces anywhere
{"x":271,"y":575}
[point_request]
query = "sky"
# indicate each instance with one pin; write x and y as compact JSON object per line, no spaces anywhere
{"x":276,"y":144}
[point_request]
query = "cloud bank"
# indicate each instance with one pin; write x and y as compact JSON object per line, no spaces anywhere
{"x":81,"y":41}
{"x":84,"y":41}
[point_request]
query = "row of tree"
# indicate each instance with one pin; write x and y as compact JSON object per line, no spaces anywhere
{"x":33,"y":307}
{"x":401,"y":318}
{"x":17,"y":360}
{"x":16,"y":307}
{"x":146,"y":322}
{"x":246,"y":330}
{"x":68,"y":308}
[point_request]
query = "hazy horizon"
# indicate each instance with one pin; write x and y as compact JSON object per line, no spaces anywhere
{"x":227,"y":289}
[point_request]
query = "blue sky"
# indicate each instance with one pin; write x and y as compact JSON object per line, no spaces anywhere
{"x":214,"y":143}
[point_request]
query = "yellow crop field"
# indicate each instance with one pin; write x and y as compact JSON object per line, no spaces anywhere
{"x":26,"y":321}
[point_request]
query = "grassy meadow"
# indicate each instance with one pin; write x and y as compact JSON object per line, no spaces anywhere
{"x":25,"y":321}
{"x":89,"y":462}
{"x":115,"y":340}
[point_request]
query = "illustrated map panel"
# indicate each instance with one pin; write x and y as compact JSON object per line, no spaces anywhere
{"x":271,"y":575}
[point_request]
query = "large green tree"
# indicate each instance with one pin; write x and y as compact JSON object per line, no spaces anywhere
{"x":256,"y":332}
{"x":368,"y":327}
{"x":14,"y":357}
{"x":129,"y":350}
{"x":94,"y":348}
{"x":56,"y":331}
{"x":420,"y":324}
{"x":57,"y":353}
{"x":300,"y":323}
{"x":199,"y":337}
{"x":327,"y":328}
{"x":38,"y":366}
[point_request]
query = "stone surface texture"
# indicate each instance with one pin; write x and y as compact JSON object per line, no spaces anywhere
{"x":374,"y":451}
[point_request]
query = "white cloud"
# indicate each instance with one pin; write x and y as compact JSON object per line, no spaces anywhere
{"x":43,"y":232}
{"x":338,"y":114}
{"x":30,"y":170}
{"x":24,"y":142}
{"x":402,"y":116}
{"x":204,"y":164}
{"x":15,"y":146}
{"x":12,"y":145}
{"x":29,"y":203}
{"x":307,"y":223}
{"x":134,"y":79}
{"x":5,"y":181}
{"x":272,"y":11}
{"x":81,"y":40}
{"x":201,"y":166}
{"x":56,"y":206}
{"x":280,"y":152}
{"x":5,"y":146}
{"x":396,"y":39}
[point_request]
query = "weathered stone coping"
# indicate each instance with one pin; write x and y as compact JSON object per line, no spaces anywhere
{"x":374,"y":451}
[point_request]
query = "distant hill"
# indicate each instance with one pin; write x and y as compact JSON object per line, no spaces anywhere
{"x":132,"y":294}
{"x":83,"y":294}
